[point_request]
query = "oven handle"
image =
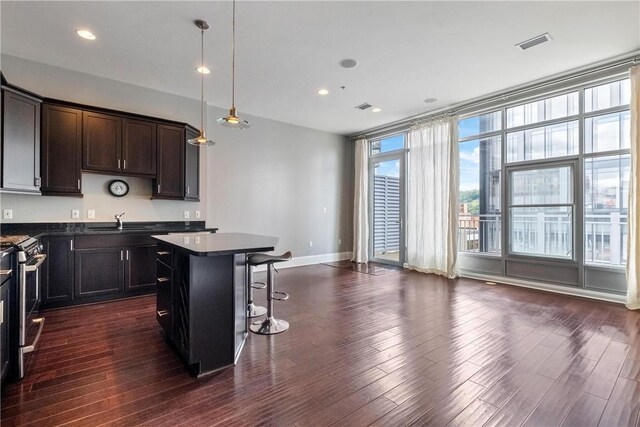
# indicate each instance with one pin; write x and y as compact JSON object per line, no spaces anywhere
{"x":37,"y":265}
{"x":30,"y":348}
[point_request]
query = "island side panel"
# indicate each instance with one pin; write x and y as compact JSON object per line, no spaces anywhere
{"x":211,"y":301}
{"x":240,"y":304}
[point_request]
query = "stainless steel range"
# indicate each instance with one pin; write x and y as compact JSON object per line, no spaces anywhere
{"x":29,"y":324}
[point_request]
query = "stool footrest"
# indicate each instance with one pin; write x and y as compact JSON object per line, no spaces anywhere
{"x":258,"y":285}
{"x":284,"y":297}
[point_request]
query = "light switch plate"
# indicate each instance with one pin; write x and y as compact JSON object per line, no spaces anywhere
{"x":7,"y":214}
{"x":186,"y":215}
{"x":197,"y":214}
{"x":91,"y":214}
{"x":75,"y":213}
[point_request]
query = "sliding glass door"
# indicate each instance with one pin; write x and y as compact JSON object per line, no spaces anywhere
{"x":386,"y":182}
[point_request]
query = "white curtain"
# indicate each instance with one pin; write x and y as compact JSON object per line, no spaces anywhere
{"x":361,"y":203}
{"x":432,"y":202}
{"x":633,"y":238}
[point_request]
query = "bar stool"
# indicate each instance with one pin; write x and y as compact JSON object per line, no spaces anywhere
{"x":270,"y":325}
{"x":252,"y":309}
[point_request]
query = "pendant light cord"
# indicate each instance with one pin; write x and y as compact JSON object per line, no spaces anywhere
{"x":233,"y":57}
{"x":202,"y":80}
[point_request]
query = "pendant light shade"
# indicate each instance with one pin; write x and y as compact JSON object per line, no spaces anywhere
{"x":232,"y":120}
{"x":201,"y":139}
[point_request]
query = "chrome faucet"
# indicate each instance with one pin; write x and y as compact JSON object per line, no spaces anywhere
{"x":119,"y":220}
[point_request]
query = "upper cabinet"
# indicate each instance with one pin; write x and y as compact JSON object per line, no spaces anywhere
{"x":170,"y":175}
{"x":117,"y":144}
{"x":61,"y":150}
{"x":191,"y":168}
{"x":20,"y":141}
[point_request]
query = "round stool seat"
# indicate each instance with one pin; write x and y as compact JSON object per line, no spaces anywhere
{"x":260,"y":259}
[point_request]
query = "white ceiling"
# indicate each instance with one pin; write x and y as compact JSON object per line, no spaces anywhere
{"x":286,"y":51}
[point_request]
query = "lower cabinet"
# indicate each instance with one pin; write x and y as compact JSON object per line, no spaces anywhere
{"x":164,"y":296}
{"x":4,"y":328}
{"x":87,"y":268}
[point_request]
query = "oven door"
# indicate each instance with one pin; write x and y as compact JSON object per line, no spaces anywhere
{"x":30,"y":324}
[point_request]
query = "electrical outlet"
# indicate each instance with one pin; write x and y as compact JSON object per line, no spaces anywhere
{"x":197,"y":214}
{"x":7,"y":214}
{"x":339,"y":242}
{"x":186,"y":215}
{"x":324,"y":209}
{"x":75,"y":214}
{"x":310,"y":244}
{"x":91,"y":214}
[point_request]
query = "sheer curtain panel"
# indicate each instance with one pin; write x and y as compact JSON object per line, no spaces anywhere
{"x":633,"y":238}
{"x":361,"y":203}
{"x":432,"y":202}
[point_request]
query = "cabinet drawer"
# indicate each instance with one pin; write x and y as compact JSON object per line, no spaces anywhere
{"x":113,"y":241}
{"x":164,"y":254}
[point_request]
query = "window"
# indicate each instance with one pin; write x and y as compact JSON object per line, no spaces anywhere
{"x":548,"y":143}
{"x":392,"y":143}
{"x":541,"y":211}
{"x":479,"y":228}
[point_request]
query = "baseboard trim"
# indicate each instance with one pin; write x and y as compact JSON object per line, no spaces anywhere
{"x":310,"y":260}
{"x":576,"y":292}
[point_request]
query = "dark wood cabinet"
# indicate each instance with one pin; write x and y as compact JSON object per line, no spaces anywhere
{"x":61,"y":150}
{"x":164,"y":295}
{"x":99,"y":272}
{"x":140,"y":268}
{"x":139,"y":147}
{"x":191,"y":168}
{"x":169,"y":181}
{"x":20,"y":141}
{"x":5,"y":289}
{"x":58,"y":271}
{"x":101,"y":142}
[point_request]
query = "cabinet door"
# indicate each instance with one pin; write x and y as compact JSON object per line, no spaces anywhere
{"x":61,"y":149}
{"x":139,"y":147}
{"x":4,"y":328}
{"x":192,"y":170}
{"x":140,"y":272}
{"x":57,"y":273}
{"x":98,"y":272}
{"x":170,"y":177}
{"x":20,"y":142}
{"x":101,"y":142}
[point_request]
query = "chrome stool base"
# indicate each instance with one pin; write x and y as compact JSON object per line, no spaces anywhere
{"x":255,"y":311}
{"x":269,"y":326}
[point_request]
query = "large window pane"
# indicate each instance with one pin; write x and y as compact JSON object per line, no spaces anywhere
{"x":606,"y":186}
{"x":478,"y":125}
{"x":386,"y":210}
{"x":479,"y":218}
{"x":543,"y":142}
{"x":542,"y":186}
{"x":607,"y":95}
{"x":392,"y":143}
{"x":556,"y":107}
{"x":608,"y":132}
{"x":542,"y":231}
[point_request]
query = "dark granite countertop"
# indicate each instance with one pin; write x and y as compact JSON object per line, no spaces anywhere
{"x":39,"y":229}
{"x":220,"y":243}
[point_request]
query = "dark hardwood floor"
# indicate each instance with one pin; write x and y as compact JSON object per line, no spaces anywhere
{"x":377,"y":346}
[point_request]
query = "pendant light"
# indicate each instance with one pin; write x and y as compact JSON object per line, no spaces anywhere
{"x":201,"y":139}
{"x":232,"y":120}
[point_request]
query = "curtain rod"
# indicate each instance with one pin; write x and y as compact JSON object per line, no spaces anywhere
{"x":454,"y":109}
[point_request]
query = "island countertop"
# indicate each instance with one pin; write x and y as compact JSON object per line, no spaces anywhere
{"x":204,"y":244}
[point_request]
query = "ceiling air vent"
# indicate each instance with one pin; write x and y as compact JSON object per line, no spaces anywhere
{"x":364,"y":106}
{"x":542,"y":38}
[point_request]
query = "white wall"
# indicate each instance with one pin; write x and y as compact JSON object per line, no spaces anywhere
{"x":274,"y":178}
{"x":69,"y":85}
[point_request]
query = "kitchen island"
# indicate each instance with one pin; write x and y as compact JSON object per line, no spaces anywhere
{"x":202,"y":295}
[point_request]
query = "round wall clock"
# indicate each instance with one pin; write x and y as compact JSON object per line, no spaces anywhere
{"x":118,"y":188}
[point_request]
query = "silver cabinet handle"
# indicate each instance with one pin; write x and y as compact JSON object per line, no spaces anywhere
{"x":121,"y":255}
{"x":188,"y":189}
{"x":163,"y":279}
{"x":71,"y":245}
{"x":162,"y":313}
{"x":158,"y":188}
{"x":78,"y":184}
{"x":118,"y":163}
{"x":163,"y":252}
{"x":127,"y":254}
{"x":37,"y":265}
{"x":30,"y":348}
{"x":124,"y":164}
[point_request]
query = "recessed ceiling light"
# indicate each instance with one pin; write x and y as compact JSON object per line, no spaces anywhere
{"x":348,"y":63}
{"x":203,"y":70}
{"x":86,"y":34}
{"x":323,"y":92}
{"x":376,"y":110}
{"x":430,"y":100}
